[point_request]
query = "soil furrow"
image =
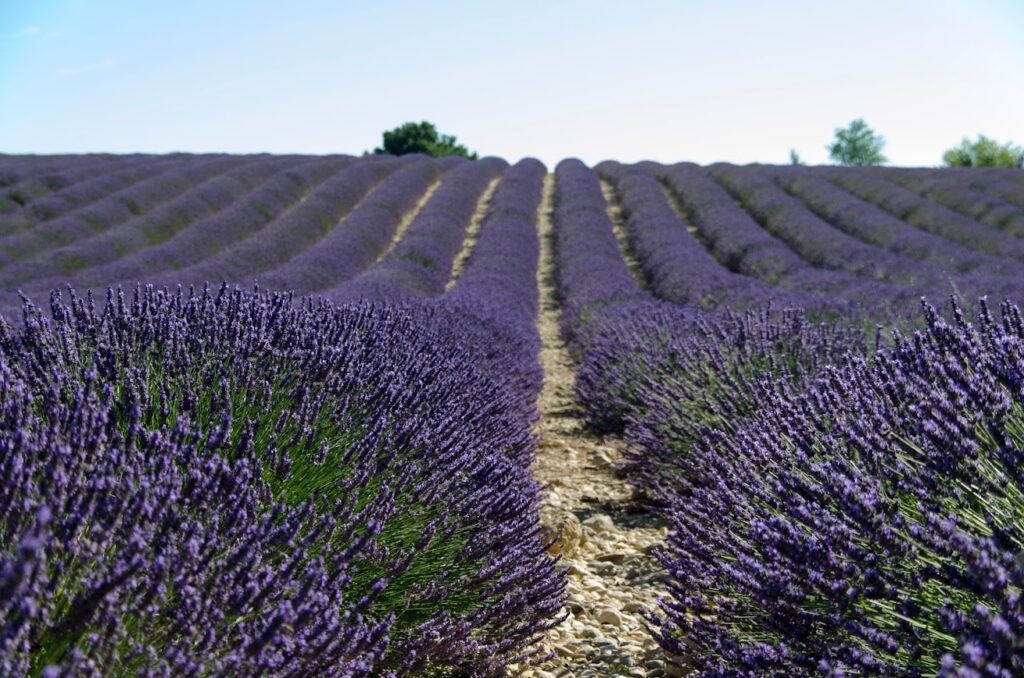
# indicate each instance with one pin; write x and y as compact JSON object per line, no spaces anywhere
{"x":472,"y":231}
{"x":619,"y":229}
{"x":604,"y":536}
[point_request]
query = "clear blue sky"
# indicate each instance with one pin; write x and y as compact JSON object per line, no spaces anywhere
{"x":733,"y":80}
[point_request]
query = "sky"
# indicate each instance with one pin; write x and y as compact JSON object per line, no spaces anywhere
{"x":728,"y":80}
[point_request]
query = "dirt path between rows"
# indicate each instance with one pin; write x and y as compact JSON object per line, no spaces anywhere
{"x":605,"y":538}
{"x":619,"y":230}
{"x":473,"y":231}
{"x":406,"y":221}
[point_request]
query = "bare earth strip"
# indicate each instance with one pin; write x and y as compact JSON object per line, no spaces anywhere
{"x":472,"y":231}
{"x":410,"y":216}
{"x":619,"y":229}
{"x":604,"y":537}
{"x":677,"y":206}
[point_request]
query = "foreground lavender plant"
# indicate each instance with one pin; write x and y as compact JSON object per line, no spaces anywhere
{"x":230,"y":484}
{"x":870,"y":524}
{"x":708,"y":364}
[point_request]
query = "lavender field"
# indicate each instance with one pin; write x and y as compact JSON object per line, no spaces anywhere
{"x":388,"y":416}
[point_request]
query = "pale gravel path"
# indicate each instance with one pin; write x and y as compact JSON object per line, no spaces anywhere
{"x":619,"y":229}
{"x":605,"y":537}
{"x":406,"y":221}
{"x":472,"y":231}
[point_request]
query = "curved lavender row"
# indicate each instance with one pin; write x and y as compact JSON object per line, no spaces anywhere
{"x":632,"y":344}
{"x":204,"y":237}
{"x":15,"y":169}
{"x":926,"y":215}
{"x":232,"y":485}
{"x":28,"y":178}
{"x":709,"y":364}
{"x":816,"y":241}
{"x":420,"y":263}
{"x":495,"y":297}
{"x":83,"y":193}
{"x":869,"y":525}
{"x":822,"y":244}
{"x":872,"y":224}
{"x":116,"y":208}
{"x":149,"y":228}
{"x":949,"y":190}
{"x":296,"y":230}
{"x":677,"y":267}
{"x":1001,"y":185}
{"x":736,"y":240}
{"x":592,"y":273}
{"x":362,"y":236}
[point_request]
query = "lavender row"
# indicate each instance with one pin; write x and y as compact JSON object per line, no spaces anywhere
{"x":231,"y":484}
{"x":147,"y":229}
{"x":361,"y":237}
{"x":323,"y":210}
{"x":867,"y":523}
{"x":861,"y":520}
{"x":927,"y":215}
{"x":83,"y":193}
{"x":592,"y":274}
{"x":741,"y":245}
{"x":204,"y":237}
{"x":870,"y":223}
{"x":495,"y":296}
{"x":949,"y":190}
{"x":814,"y":240}
{"x":677,"y":266}
{"x":24,"y":179}
{"x":420,"y":263}
{"x":1000,"y":185}
{"x":823,"y":245}
{"x":108,"y":212}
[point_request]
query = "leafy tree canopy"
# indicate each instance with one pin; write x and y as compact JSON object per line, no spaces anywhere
{"x":422,"y":137}
{"x":984,"y":152}
{"x":857,"y":145}
{"x":794,"y":157}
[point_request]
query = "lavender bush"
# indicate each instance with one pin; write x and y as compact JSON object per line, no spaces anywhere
{"x":230,"y":484}
{"x":869,"y":524}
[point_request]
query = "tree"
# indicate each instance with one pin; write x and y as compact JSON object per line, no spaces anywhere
{"x":857,"y":145}
{"x":421,"y":137}
{"x":984,"y":152}
{"x":794,"y":157}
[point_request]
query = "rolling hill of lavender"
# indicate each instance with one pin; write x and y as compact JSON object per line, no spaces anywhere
{"x":278,"y":415}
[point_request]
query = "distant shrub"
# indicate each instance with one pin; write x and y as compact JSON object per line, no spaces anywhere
{"x":984,"y":152}
{"x":857,"y":144}
{"x":422,"y":137}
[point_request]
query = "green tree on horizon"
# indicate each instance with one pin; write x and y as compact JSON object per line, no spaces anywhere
{"x":422,"y":137}
{"x":984,"y":152}
{"x":857,"y":144}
